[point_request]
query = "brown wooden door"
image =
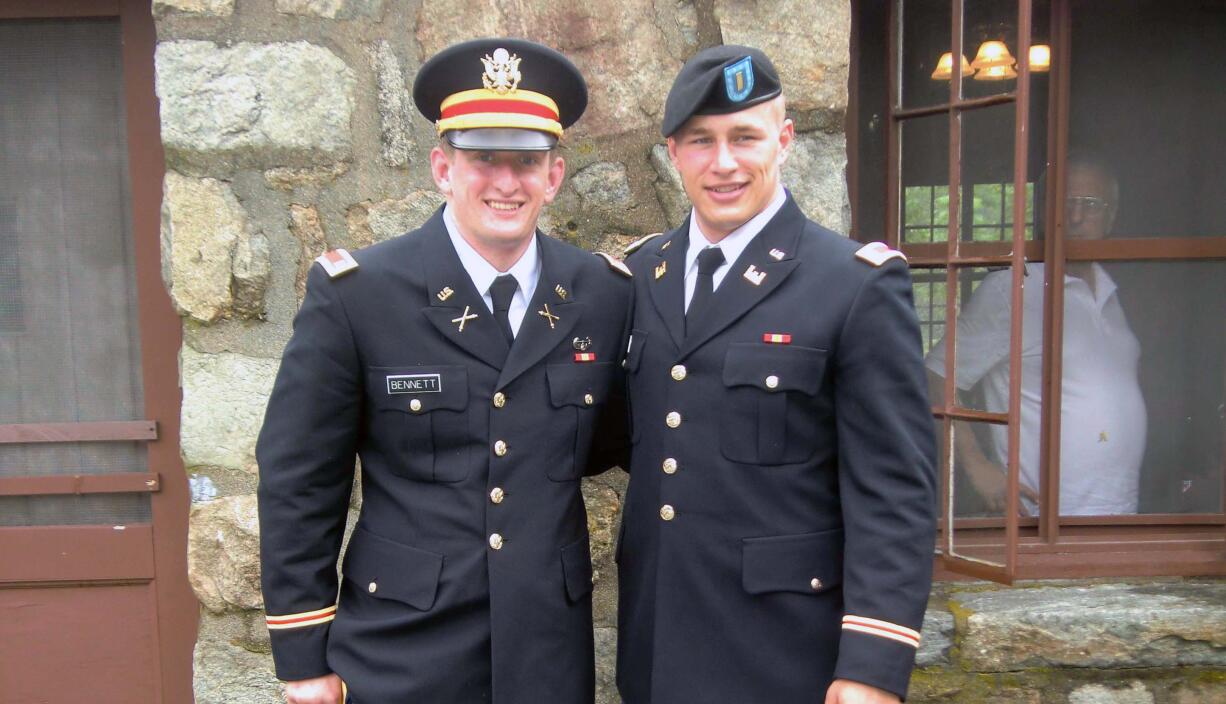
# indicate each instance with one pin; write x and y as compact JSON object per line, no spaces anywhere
{"x":94,"y":600}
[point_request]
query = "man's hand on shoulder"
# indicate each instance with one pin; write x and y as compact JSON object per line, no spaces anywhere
{"x":848,"y":692}
{"x":319,"y":690}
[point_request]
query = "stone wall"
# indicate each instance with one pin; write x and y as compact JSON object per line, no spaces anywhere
{"x":289,"y":129}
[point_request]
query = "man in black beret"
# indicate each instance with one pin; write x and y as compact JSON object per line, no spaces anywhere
{"x":778,"y":528}
{"x":470,"y":365}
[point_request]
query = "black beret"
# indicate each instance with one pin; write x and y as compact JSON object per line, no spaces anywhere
{"x":717,"y":81}
{"x":498,"y":83}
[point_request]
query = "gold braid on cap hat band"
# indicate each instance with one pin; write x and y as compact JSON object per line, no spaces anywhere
{"x":481,"y":107}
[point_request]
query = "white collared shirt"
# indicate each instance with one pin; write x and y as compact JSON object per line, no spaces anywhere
{"x":526,"y":271}
{"x":733,"y":244}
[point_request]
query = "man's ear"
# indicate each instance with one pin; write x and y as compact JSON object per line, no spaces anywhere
{"x":672,"y":151}
{"x":557,"y":171}
{"x":440,"y":169}
{"x":786,"y":135}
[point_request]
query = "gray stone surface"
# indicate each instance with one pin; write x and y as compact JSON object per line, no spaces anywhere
{"x":281,"y":104}
{"x":332,"y":9}
{"x":1209,"y":692}
{"x":224,"y":396}
{"x":1106,"y":626}
{"x":223,"y":553}
{"x":606,"y":675}
{"x":619,"y":46}
{"x":936,"y":638}
{"x":285,"y":178}
{"x":226,"y":672}
{"x":213,"y":262}
{"x":815,"y":172}
{"x":1135,"y":693}
{"x":602,"y":186}
{"x":669,"y":189}
{"x":371,"y":222}
{"x":216,"y":8}
{"x":396,"y":109}
{"x":305,"y":226}
{"x":806,"y":40}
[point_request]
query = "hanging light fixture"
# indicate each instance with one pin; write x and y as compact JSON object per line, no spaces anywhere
{"x":1040,"y":58}
{"x":995,"y":73}
{"x":945,"y":67}
{"x":992,"y":53}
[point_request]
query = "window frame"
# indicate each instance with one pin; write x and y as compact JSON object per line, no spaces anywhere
{"x":1047,"y":546}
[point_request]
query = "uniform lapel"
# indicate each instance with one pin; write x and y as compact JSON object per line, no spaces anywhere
{"x":666,"y":280}
{"x":480,"y":336}
{"x":737,"y":293}
{"x":540,"y":333}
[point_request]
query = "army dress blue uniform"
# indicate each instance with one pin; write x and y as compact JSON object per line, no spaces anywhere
{"x":778,"y":526}
{"x":468,"y":576}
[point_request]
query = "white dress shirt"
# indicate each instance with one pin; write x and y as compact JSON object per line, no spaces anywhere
{"x":733,"y":244}
{"x":526,"y":272}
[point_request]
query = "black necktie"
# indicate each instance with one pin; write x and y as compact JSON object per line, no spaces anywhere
{"x":709,"y":260}
{"x":502,"y":291}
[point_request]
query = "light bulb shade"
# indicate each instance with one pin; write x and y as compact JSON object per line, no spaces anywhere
{"x":1040,"y":58}
{"x":992,"y":53}
{"x":945,"y":67}
{"x":995,"y":73}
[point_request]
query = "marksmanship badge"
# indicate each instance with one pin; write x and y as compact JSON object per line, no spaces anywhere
{"x":501,"y":72}
{"x":738,"y":79}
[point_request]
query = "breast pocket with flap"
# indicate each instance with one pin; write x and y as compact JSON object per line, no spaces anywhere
{"x":577,"y":391}
{"x":770,"y":409}
{"x":418,"y":420}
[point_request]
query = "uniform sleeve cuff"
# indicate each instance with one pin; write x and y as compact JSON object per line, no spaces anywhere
{"x":877,"y":653}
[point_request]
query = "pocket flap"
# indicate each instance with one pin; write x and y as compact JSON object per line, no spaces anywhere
{"x":774,"y":367}
{"x":577,"y":568}
{"x":418,"y":389}
{"x":386,"y":569}
{"x":579,"y":383}
{"x":791,"y":563}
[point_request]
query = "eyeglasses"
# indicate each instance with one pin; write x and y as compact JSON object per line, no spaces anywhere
{"x":1088,"y":204}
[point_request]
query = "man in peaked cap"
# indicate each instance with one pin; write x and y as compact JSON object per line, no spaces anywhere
{"x":778,"y":529}
{"x":469,"y":364}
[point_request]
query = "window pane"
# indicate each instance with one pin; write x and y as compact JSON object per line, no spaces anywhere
{"x":1143,"y":388}
{"x":925,"y":37}
{"x":925,"y":180}
{"x":1144,"y":103}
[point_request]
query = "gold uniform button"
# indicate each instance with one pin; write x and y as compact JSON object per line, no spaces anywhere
{"x":667,"y":512}
{"x":500,"y":400}
{"x":500,"y":448}
{"x":497,"y":495}
{"x":678,"y":371}
{"x":815,"y":583}
{"x":495,"y":541}
{"x":589,"y":399}
{"x":772,"y":381}
{"x":673,"y":419}
{"x":415,"y":405}
{"x":372,"y":587}
{"x":670,"y":466}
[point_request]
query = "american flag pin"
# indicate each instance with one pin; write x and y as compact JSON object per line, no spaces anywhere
{"x":777,"y":338}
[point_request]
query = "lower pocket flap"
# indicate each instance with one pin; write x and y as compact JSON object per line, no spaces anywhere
{"x":577,"y":568}
{"x":807,"y":563}
{"x":389,"y":570}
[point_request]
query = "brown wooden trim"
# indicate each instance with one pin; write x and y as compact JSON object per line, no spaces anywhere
{"x":76,"y":553}
{"x":160,"y":340}
{"x":105,"y":431}
{"x":969,"y":414}
{"x":986,"y":101}
{"x":56,"y":9}
{"x":970,"y":254}
{"x":117,"y":483}
{"x":1148,"y":248}
{"x":893,"y":147}
{"x":851,"y":123}
{"x":976,"y":570}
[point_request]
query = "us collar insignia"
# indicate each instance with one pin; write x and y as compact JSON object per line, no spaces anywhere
{"x":738,"y":79}
{"x":445,"y":293}
{"x":560,"y":291}
{"x":778,"y":254}
{"x":548,"y":316}
{"x":661,"y":268}
{"x":753,"y":276}
{"x":501,"y":72}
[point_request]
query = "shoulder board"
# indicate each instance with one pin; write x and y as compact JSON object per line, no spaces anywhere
{"x":877,"y":253}
{"x":615,"y":264}
{"x":638,"y":244}
{"x":337,"y":262}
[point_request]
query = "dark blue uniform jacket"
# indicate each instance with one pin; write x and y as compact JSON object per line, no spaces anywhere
{"x":779,"y":528}
{"x":459,"y":439}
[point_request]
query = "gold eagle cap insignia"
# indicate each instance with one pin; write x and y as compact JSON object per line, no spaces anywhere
{"x":501,"y":71}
